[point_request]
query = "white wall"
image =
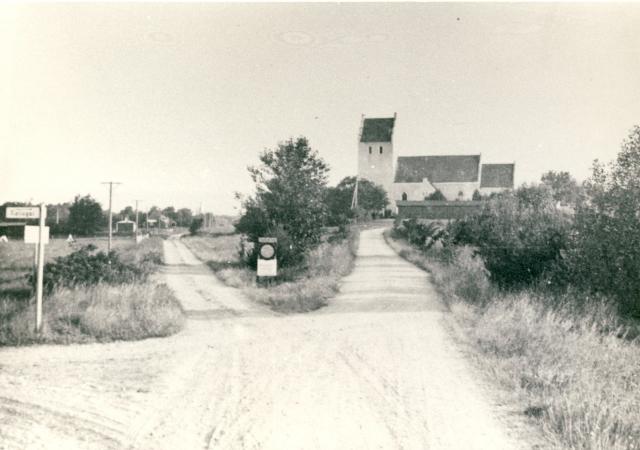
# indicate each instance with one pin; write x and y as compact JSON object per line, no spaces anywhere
{"x":414,"y":191}
{"x":451,"y":190}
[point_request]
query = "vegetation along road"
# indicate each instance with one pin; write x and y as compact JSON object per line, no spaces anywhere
{"x":374,"y":369}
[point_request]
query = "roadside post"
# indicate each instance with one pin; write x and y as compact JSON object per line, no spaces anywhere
{"x":34,"y":235}
{"x":267,"y":259}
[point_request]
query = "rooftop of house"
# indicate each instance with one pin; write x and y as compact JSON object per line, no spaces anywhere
{"x":377,"y":130}
{"x":497,"y":176}
{"x":438,"y":168}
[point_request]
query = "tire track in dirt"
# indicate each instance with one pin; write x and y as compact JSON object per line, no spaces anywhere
{"x":374,"y":369}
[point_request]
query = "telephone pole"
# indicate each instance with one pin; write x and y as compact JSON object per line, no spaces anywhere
{"x":110,"y":183}
{"x":137,"y":215}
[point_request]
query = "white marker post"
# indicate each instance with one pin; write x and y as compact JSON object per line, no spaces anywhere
{"x":41,"y":237}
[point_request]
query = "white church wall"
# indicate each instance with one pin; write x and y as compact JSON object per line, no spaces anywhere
{"x":414,"y":191}
{"x":452,"y":191}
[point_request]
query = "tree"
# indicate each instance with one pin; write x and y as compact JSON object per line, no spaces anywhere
{"x":170,"y":212}
{"x":288,"y":203}
{"x":195,"y":225}
{"x":184,"y":216}
{"x":564,"y":187}
{"x":606,"y":247}
{"x":371,"y":199}
{"x":127,"y":213}
{"x":85,"y":216}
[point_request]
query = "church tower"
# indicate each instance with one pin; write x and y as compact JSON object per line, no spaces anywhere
{"x":376,"y":161}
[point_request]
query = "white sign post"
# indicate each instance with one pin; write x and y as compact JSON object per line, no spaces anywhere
{"x":41,"y":237}
{"x":267,"y":261}
{"x":34,"y":235}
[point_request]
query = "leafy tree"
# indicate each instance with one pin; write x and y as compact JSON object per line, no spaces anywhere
{"x":171,"y":213}
{"x":563,"y":186}
{"x":289,"y":199}
{"x":85,"y":216}
{"x":196,"y":225}
{"x":184,"y":216}
{"x":606,"y":247}
{"x":371,"y":199}
{"x":127,"y":212}
{"x":154,"y":213}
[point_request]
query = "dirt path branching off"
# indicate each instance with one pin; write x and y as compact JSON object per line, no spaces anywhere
{"x":374,"y":369}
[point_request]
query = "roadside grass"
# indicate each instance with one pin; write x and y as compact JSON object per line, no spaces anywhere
{"x":85,"y":313}
{"x":302,"y":289}
{"x":95,"y":313}
{"x":566,"y":361}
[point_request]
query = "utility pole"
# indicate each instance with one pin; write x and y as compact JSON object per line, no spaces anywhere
{"x":137,"y":215}
{"x":110,"y":183}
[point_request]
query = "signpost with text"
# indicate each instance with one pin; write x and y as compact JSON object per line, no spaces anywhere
{"x":34,"y":235}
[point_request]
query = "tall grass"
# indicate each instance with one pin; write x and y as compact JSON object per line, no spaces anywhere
{"x":567,"y":363}
{"x":300,"y":289}
{"x":95,"y":313}
{"x":83,"y":313}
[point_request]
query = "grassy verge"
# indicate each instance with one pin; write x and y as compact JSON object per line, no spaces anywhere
{"x":85,"y":313}
{"x":307,"y":288}
{"x":94,"y":313}
{"x":564,"y":361}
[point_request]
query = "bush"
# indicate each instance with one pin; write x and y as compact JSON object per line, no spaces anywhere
{"x":605,"y":255}
{"x":423,"y":235}
{"x":195,"y":225}
{"x":87,"y":267}
{"x":436,"y":196}
{"x":520,"y":236}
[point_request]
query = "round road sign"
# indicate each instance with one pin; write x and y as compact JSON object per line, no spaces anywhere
{"x":267,"y":251}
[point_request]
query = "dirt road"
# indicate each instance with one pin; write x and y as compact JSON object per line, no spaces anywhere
{"x":375,"y":369}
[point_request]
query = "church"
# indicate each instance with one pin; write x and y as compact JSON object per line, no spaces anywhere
{"x":416,"y":178}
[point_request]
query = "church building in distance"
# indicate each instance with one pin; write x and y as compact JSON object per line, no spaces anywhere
{"x":416,"y":178}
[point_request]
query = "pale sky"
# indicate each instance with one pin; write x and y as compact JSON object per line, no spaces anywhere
{"x":175,"y":100}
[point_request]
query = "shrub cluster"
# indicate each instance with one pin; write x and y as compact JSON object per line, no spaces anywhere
{"x":88,"y":267}
{"x":421,"y":234}
{"x":520,"y":236}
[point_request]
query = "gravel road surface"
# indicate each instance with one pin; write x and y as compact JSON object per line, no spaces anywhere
{"x":374,"y":369}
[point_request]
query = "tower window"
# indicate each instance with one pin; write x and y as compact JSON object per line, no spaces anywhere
{"x":381,"y":149}
{"x":404,"y":196}
{"x":370,"y":150}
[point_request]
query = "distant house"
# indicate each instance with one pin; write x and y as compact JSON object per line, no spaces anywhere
{"x":125,"y":226}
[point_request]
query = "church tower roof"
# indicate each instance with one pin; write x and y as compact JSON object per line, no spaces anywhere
{"x":377,"y":130}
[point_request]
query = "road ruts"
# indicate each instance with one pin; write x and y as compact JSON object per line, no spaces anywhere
{"x":374,"y":369}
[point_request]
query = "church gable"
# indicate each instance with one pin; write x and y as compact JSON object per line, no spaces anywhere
{"x":497,"y":176}
{"x":377,"y":130}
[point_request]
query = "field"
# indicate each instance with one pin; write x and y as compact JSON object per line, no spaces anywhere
{"x":573,"y":369}
{"x":83,"y":313}
{"x":306,"y":289}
